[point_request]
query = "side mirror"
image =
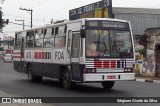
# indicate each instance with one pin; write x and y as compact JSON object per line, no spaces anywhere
{"x":83,"y":35}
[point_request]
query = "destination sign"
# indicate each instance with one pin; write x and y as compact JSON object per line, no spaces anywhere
{"x":107,"y":24}
{"x":101,"y":9}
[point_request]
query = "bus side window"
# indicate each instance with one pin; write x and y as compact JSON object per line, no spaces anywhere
{"x":37,"y":39}
{"x":52,"y":32}
{"x":18,"y":42}
{"x":29,"y":40}
{"x":75,"y":45}
{"x":48,"y":40}
{"x":56,"y":31}
{"x":60,"y":38}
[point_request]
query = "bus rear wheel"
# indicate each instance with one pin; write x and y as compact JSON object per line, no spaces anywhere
{"x":66,"y":80}
{"x":33,"y":78}
{"x":107,"y":84}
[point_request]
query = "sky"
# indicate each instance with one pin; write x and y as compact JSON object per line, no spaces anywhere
{"x":45,"y":10}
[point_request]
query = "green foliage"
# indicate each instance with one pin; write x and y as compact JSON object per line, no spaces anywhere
{"x":1,"y":20}
{"x":142,"y":51}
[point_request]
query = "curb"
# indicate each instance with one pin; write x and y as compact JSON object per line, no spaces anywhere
{"x":146,"y":80}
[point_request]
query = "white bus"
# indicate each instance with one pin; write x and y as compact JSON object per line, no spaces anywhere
{"x":80,"y":51}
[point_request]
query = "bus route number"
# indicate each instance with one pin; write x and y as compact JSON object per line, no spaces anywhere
{"x":28,"y":55}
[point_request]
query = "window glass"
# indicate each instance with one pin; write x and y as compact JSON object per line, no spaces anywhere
{"x":97,"y":43}
{"x":52,"y":31}
{"x":121,"y":43}
{"x":38,"y":38}
{"x":47,"y":33}
{"x":29,"y":38}
{"x":115,"y":43}
{"x":75,"y":45}
{"x":48,"y":40}
{"x":18,"y":41}
{"x":49,"y":43}
{"x":56,"y":31}
{"x":60,"y":38}
{"x":61,"y":31}
{"x":60,"y":42}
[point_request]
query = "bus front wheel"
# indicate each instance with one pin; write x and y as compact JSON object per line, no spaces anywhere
{"x":33,"y":78}
{"x":66,"y":80}
{"x":107,"y":84}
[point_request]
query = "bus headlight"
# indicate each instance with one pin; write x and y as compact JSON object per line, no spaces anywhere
{"x":127,"y":69}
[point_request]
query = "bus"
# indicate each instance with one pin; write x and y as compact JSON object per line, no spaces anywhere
{"x":86,"y":50}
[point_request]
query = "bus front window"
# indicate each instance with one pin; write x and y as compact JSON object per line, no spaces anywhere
{"x":97,"y":43}
{"x":108,"y":43}
{"x":120,"y":43}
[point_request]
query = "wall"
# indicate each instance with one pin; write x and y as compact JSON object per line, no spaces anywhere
{"x":140,"y":18}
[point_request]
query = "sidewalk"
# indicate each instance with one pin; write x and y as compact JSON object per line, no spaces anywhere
{"x":148,"y":79}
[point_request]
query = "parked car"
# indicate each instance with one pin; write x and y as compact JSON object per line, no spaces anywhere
{"x":7,"y":58}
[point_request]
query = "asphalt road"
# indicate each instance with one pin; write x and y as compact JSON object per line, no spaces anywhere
{"x":17,"y":83}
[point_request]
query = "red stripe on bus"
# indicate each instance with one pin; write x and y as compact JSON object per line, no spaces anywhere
{"x":40,"y":55}
{"x":36,"y":55}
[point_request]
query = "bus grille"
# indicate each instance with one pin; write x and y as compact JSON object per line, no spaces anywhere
{"x":113,"y":63}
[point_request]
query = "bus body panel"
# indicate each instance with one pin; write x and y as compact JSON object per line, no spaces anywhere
{"x":108,"y":77}
{"x":49,"y":61}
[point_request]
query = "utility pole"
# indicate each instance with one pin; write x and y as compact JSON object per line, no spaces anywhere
{"x":22,"y":21}
{"x":30,"y":10}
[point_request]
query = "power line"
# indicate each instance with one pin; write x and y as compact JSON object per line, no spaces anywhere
{"x":18,"y":24}
{"x":63,"y":8}
{"x":40,"y":4}
{"x":13,"y":27}
{"x":25,"y":18}
{"x":28,"y":3}
{"x":22,"y":21}
{"x":31,"y":4}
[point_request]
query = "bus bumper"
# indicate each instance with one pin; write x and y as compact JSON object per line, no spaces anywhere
{"x":108,"y":77}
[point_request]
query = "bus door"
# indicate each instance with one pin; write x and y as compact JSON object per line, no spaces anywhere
{"x":74,"y":50}
{"x":22,"y":54}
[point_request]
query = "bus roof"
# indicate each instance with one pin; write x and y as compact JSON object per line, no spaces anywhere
{"x":73,"y":21}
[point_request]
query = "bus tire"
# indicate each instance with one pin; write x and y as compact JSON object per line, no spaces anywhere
{"x":107,"y":84}
{"x":66,"y":80}
{"x":33,"y":78}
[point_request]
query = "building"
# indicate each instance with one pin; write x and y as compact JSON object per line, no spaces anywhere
{"x":144,"y":21}
{"x":152,"y":68}
{"x":140,"y":18}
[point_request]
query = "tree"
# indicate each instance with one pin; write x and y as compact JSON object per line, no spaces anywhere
{"x":1,"y":20}
{"x":144,"y":41}
{"x":2,"y":1}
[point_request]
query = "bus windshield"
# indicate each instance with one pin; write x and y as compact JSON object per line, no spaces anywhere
{"x":108,"y":43}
